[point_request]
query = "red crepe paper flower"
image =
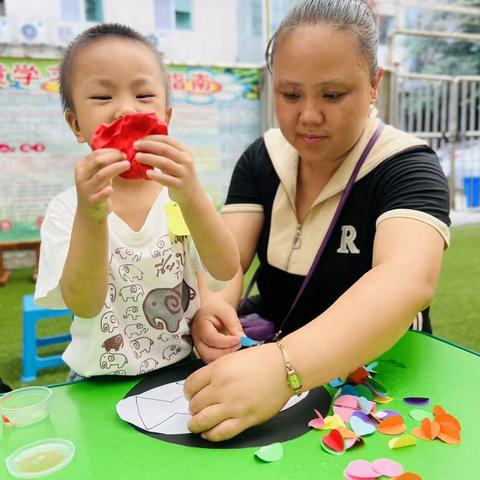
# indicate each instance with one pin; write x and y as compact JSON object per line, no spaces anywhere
{"x":122,"y":133}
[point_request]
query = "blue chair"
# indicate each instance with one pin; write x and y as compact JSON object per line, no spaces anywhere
{"x":31,"y":361}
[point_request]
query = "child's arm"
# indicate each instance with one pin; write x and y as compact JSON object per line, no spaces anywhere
{"x":84,"y":280}
{"x":213,"y":240}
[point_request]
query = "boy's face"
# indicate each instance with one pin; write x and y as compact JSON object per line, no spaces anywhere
{"x":111,"y":77}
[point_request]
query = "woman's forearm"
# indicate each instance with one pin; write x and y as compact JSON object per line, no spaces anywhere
{"x":363,"y":323}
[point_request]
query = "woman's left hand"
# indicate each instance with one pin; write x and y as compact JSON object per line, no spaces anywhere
{"x":237,"y":391}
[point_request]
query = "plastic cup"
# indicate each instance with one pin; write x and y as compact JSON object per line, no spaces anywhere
{"x":40,"y":459}
{"x":25,"y":406}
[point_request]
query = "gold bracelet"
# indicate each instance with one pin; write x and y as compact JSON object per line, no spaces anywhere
{"x":293,"y":378}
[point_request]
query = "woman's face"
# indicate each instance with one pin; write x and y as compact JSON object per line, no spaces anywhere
{"x":322,"y":91}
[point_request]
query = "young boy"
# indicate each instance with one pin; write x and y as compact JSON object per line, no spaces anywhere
{"x":107,"y":253}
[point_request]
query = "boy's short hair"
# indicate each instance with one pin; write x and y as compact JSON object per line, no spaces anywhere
{"x":94,"y":33}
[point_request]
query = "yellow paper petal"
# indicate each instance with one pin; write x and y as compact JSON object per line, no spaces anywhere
{"x":404,"y":441}
{"x":383,"y":399}
{"x":176,"y":223}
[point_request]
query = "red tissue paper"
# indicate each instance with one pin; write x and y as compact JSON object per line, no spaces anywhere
{"x":122,"y":133}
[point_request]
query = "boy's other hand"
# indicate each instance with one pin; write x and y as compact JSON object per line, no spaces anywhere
{"x":93,"y":179}
{"x":174,"y":164}
{"x":216,"y":330}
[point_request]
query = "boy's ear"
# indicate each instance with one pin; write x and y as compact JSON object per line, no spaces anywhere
{"x":168,"y":115}
{"x":72,"y":121}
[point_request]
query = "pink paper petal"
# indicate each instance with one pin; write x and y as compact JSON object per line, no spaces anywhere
{"x":350,"y":477}
{"x":316,"y":423}
{"x":387,"y":467}
{"x":344,"y":413}
{"x":348,"y":401}
{"x":361,"y":469}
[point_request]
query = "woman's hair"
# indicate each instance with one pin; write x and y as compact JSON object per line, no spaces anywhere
{"x":346,"y":15}
{"x":91,"y":35}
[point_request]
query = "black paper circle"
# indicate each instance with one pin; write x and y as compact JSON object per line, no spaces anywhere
{"x":286,"y":425}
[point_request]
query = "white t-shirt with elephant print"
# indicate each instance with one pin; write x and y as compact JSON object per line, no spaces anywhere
{"x":152,"y":292}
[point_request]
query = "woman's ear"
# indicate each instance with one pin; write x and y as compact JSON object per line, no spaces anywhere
{"x":72,"y":121}
{"x":376,"y":84}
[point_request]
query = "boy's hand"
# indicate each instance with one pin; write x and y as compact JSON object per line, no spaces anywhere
{"x":175,"y":163}
{"x":93,"y":178}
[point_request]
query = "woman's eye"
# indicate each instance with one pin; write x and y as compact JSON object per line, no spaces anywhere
{"x":333,"y":96}
{"x":291,"y":96}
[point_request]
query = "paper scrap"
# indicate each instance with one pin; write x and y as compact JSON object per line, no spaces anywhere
{"x":247,"y":342}
{"x":403,"y":441}
{"x":387,"y":467}
{"x":417,"y":401}
{"x":270,"y":453}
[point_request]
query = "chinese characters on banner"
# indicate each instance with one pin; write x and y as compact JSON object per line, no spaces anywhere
{"x":216,"y":113}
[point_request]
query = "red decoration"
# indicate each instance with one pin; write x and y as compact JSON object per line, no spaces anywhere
{"x":121,"y":135}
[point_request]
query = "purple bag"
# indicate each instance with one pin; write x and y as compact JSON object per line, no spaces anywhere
{"x":261,"y":329}
{"x":256,"y":327}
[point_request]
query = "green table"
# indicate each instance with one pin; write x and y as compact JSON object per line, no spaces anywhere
{"x":419,"y":365}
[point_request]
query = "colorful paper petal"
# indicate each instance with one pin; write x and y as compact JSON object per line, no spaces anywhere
{"x":428,"y":430}
{"x":403,"y":441}
{"x":361,"y":469}
{"x":449,"y":433}
{"x":387,"y":467}
{"x":419,"y":414}
{"x":409,"y":476}
{"x":247,"y":342}
{"x":318,"y":422}
{"x":361,"y":424}
{"x":417,"y":401}
{"x":393,"y":425}
{"x":337,"y":382}
{"x":371,"y":367}
{"x":270,"y":453}
{"x":334,"y":441}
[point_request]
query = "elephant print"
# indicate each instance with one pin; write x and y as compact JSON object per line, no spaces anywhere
{"x":119,"y":372}
{"x":148,"y":365}
{"x":109,"y":322}
{"x":113,"y":343}
{"x":165,"y":307}
{"x":171,"y":351}
{"x":168,"y":337}
{"x":111,"y":295}
{"x":130,"y":273}
{"x":131,"y":292}
{"x":109,"y":360}
{"x":128,"y":253}
{"x":160,"y":247}
{"x":141,"y":345}
{"x":135,"y":329}
{"x":132,"y":312}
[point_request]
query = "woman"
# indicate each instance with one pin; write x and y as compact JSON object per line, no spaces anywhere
{"x":380,"y":267}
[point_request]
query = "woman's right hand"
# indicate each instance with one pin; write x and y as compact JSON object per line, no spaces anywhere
{"x":93,"y":179}
{"x":216,"y":330}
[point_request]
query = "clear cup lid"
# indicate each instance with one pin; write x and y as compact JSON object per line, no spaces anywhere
{"x":40,"y":459}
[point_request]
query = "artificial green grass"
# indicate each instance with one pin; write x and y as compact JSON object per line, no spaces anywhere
{"x":455,"y":310}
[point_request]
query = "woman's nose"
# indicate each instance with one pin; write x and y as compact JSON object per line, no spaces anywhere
{"x":312,"y":113}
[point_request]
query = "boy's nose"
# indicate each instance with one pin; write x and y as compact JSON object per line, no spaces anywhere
{"x":124,"y":110}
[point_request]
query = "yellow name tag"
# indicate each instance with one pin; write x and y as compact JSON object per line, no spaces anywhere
{"x":176,"y":223}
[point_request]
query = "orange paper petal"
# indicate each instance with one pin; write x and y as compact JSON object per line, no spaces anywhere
{"x":438,"y":410}
{"x":393,"y":425}
{"x":346,"y":433}
{"x":408,"y":476}
{"x":449,"y":433}
{"x":446,"y":417}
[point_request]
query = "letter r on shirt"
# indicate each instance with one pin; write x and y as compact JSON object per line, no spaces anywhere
{"x":347,"y":245}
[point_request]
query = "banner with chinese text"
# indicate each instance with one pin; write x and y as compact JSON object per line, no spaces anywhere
{"x":216,"y":113}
